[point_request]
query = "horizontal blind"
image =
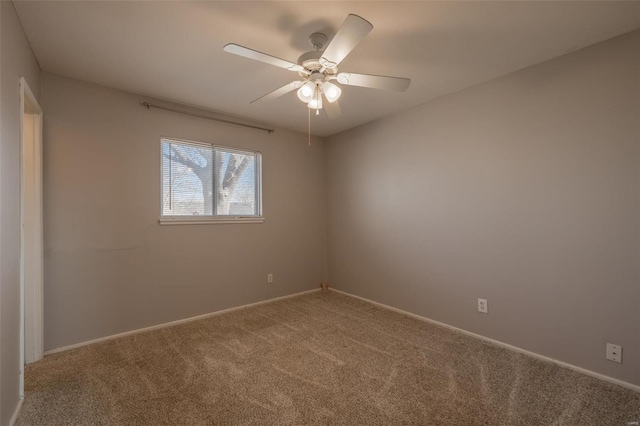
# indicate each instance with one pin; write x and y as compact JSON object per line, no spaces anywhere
{"x":204,"y":180}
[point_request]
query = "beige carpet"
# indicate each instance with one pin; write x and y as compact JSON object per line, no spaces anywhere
{"x":320,"y":358}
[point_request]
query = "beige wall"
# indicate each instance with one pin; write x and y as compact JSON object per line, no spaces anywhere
{"x":523,"y":191}
{"x":110,"y":267}
{"x":16,"y":60}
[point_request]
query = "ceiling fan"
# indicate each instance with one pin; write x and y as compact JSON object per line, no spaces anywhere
{"x":318,"y":69}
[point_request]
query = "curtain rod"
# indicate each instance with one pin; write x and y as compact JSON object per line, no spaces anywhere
{"x":148,"y":106}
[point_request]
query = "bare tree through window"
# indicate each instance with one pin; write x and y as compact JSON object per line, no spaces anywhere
{"x":204,"y":180}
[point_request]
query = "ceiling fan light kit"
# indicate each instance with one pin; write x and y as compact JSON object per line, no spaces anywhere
{"x":319,"y":68}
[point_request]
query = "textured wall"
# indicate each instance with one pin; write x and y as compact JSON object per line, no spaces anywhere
{"x":524,"y":191}
{"x":110,"y":267}
{"x":17,"y":61}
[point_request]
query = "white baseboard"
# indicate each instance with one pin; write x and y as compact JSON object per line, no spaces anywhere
{"x":172,"y":323}
{"x":499,"y":343}
{"x":13,"y":419}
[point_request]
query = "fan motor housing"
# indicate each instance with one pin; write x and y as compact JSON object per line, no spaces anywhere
{"x":311,"y":62}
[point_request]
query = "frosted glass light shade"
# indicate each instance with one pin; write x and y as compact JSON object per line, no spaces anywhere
{"x":315,"y":102}
{"x":331,"y":91}
{"x":306,"y":92}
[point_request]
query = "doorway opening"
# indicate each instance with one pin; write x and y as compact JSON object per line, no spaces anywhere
{"x":31,"y":231}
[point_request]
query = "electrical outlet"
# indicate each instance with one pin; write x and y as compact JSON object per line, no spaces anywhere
{"x":614,"y":352}
{"x":482,"y":306}
{"x":269,"y":278}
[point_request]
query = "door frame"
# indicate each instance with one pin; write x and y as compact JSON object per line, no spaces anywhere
{"x":32,"y":343}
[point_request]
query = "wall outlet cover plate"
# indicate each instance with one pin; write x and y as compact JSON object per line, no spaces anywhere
{"x":614,"y":352}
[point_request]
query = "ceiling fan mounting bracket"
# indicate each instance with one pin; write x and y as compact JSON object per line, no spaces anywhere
{"x":317,"y":40}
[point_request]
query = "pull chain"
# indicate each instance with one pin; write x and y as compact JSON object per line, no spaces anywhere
{"x":309,"y":115}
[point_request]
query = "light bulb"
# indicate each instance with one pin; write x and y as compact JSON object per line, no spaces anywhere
{"x":305,"y":93}
{"x":331,"y":91}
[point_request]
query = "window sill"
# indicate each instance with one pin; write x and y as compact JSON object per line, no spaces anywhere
{"x":200,"y":220}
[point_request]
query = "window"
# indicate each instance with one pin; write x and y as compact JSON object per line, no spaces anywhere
{"x":204,"y":183}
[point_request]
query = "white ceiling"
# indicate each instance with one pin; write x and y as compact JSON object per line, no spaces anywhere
{"x":173,"y":50}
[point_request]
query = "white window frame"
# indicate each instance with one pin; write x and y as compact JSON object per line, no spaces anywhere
{"x":205,"y":220}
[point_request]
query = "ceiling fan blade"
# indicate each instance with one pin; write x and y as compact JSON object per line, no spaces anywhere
{"x":262,"y":57}
{"x":333,"y":109}
{"x":279,"y":92}
{"x":374,"y":81}
{"x":353,"y":29}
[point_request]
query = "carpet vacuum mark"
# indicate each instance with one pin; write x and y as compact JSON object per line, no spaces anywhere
{"x":319,"y":358}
